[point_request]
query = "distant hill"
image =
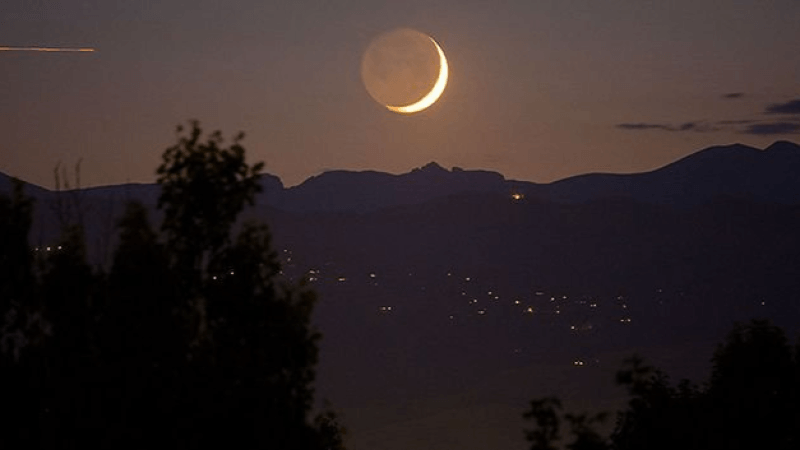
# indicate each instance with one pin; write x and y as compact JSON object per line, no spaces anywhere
{"x":735,"y":171}
{"x":368,"y":191}
{"x":7,"y":184}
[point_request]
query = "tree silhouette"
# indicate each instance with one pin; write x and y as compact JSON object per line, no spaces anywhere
{"x":251,"y":350}
{"x":204,"y":187}
{"x":143,"y":345}
{"x":331,"y":432}
{"x":658,"y":416}
{"x":547,"y":433}
{"x":754,"y":389}
{"x":751,"y":400}
{"x":544,"y":412}
{"x":193,"y":341}
{"x":21,"y":326}
{"x":15,"y":256}
{"x":582,"y":428}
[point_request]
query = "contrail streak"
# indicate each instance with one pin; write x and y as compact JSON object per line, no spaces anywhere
{"x":48,"y":49}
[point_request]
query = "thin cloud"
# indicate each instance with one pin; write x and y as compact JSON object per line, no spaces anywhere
{"x":790,"y":107}
{"x":642,"y":126}
{"x":695,"y":126}
{"x":698,"y":127}
{"x":736,"y":122}
{"x":772,"y":128}
{"x":733,"y":95}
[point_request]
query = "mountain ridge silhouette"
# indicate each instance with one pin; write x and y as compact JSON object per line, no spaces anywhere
{"x":737,"y":171}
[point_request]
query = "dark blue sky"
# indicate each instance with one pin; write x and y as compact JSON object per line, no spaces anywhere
{"x":538,"y":90}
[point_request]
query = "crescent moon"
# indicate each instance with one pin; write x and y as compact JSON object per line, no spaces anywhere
{"x":435,"y":92}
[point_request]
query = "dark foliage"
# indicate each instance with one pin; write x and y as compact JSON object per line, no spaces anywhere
{"x":15,"y":256}
{"x":752,"y":400}
{"x":544,"y":413}
{"x":547,"y":433}
{"x":204,"y":186}
{"x":193,"y":341}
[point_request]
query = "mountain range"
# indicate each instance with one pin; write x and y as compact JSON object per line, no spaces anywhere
{"x":735,"y":171}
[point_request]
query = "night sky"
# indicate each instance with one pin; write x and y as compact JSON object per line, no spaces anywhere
{"x":538,"y":90}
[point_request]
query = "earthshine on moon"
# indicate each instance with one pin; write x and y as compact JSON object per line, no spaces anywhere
{"x":404,"y":70}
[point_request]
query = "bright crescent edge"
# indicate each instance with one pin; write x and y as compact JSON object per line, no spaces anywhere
{"x":434,"y":94}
